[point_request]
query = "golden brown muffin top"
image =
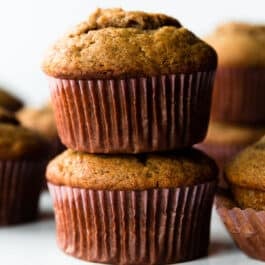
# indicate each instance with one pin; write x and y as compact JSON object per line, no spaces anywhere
{"x":17,"y":142}
{"x":114,"y":43}
{"x":9,"y":101}
{"x":40,"y":120}
{"x":239,"y":44}
{"x":247,"y":170}
{"x":223,"y":133}
{"x":126,"y":172}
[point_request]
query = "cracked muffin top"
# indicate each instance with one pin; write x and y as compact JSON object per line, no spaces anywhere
{"x":126,"y":172}
{"x":17,"y":142}
{"x":113,"y":43}
{"x":239,"y":44}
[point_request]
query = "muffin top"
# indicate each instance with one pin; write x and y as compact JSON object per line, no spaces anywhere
{"x":247,"y":170}
{"x":9,"y":102}
{"x":239,"y":44}
{"x":113,"y":43}
{"x":40,"y":120}
{"x":17,"y":142}
{"x":125,"y":172}
{"x":223,"y":133}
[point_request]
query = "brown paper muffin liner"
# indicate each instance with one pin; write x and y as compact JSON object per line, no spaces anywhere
{"x":132,"y":115}
{"x":20,"y":186}
{"x":222,"y":154}
{"x":239,"y":95}
{"x":154,"y":226}
{"x":246,"y":226}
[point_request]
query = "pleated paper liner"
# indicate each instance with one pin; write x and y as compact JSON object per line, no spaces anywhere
{"x":239,"y":95}
{"x":154,"y":226}
{"x":222,"y":154}
{"x":246,"y":226}
{"x":20,"y":186}
{"x":132,"y":115}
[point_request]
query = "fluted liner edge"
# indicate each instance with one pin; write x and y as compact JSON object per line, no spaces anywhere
{"x":132,"y":115}
{"x":134,"y":227}
{"x":246,"y":227}
{"x":20,"y":186}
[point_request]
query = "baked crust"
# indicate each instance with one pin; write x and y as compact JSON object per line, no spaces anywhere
{"x":113,"y":43}
{"x":131,"y":172}
{"x":247,"y":170}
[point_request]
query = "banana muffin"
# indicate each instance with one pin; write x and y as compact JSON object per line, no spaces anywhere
{"x":22,"y":156}
{"x":246,"y":177}
{"x":240,"y":79}
{"x":118,"y":206}
{"x":9,"y":101}
{"x":225,"y":140}
{"x":130,"y":82}
{"x":242,"y":209}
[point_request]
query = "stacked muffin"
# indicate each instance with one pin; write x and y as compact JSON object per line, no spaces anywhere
{"x":125,"y":86}
{"x":238,"y":113}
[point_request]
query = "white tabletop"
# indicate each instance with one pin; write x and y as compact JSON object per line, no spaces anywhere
{"x":35,"y":244}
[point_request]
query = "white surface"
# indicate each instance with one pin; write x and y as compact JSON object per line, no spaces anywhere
{"x":35,"y":244}
{"x":28,"y":27}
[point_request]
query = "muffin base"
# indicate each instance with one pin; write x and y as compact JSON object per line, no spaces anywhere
{"x":238,"y":95}
{"x":20,"y":186}
{"x":132,"y":115}
{"x":246,"y":226}
{"x":154,"y":226}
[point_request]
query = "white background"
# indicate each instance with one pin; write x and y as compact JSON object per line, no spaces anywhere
{"x":28,"y":27}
